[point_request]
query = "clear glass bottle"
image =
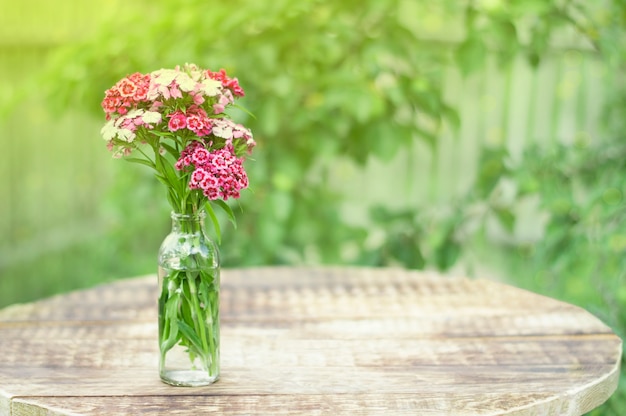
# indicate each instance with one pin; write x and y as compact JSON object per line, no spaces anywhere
{"x":189,"y":282}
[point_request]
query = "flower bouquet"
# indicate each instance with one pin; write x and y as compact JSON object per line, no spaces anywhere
{"x":175,"y":122}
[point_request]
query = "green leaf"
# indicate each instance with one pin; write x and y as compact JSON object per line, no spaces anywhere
{"x":505,"y":34}
{"x":506,"y":218}
{"x":170,"y":322}
{"x":471,"y":55}
{"x":162,"y":179}
{"x":452,"y":116}
{"x":245,"y":110}
{"x":214,"y":220}
{"x":406,"y":249}
{"x":162,"y":133}
{"x":171,"y":180}
{"x":145,"y":162}
{"x":172,"y":150}
{"x":203,"y":292}
{"x":384,"y":142}
{"x":492,"y":168}
{"x":448,"y":251}
{"x":428,"y":137}
{"x":229,"y":212}
{"x":168,"y":171}
{"x":190,"y":334}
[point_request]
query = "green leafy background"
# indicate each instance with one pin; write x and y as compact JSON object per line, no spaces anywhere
{"x":524,"y":183}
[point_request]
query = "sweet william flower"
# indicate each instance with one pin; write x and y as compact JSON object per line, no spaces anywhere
{"x":219,"y":174}
{"x":198,"y":99}
{"x":127,"y":88}
{"x":200,"y":156}
{"x":151,"y":117}
{"x":210,"y":87}
{"x":185,"y":82}
{"x":175,"y":92}
{"x":227,"y":82}
{"x":126,"y":135}
{"x":200,"y":125}
{"x":177,"y":121}
{"x":109,"y":131}
{"x":111,"y":103}
{"x":182,"y":115}
{"x":222,"y":102}
{"x":197,"y":177}
{"x":223,"y":129}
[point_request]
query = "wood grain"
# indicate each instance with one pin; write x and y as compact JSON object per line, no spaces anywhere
{"x":331,"y":340}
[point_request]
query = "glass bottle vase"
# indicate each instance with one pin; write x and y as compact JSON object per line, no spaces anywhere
{"x":189,"y":283}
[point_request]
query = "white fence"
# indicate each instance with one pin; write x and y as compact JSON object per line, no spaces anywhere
{"x":560,"y":101}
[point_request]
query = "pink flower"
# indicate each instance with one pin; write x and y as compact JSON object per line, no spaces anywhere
{"x":199,"y":123}
{"x":218,"y":173}
{"x":219,"y":161}
{"x":175,"y":91}
{"x":200,"y":156}
{"x":218,"y":108}
{"x":198,"y":176}
{"x":157,"y":91}
{"x":198,"y":99}
{"x":177,"y":121}
{"x":195,"y":123}
{"x":210,"y":183}
{"x":183,"y":162}
{"x":222,"y":102}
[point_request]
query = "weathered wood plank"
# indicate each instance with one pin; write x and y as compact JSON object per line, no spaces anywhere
{"x":456,"y":403}
{"x":242,"y":348}
{"x":297,"y":380}
{"x":316,"y":341}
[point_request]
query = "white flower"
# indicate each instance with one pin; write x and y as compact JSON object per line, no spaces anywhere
{"x":109,"y":131}
{"x":211,"y":87}
{"x":185,"y":83}
{"x":134,"y":113}
{"x":222,"y":128}
{"x":164,"y":76}
{"x":151,"y":117}
{"x":194,"y":72}
{"x":125,"y":135}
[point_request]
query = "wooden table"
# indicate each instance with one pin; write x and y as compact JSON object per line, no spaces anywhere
{"x":338,"y":341}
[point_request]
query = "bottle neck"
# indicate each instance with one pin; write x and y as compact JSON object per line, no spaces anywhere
{"x":188,"y":223}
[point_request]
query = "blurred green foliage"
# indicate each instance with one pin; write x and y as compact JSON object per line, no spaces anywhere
{"x":325,"y":80}
{"x":329,"y":81}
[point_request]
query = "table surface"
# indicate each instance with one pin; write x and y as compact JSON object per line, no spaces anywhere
{"x":352,"y":341}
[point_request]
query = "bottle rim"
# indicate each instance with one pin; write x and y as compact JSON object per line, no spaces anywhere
{"x":198,"y":215}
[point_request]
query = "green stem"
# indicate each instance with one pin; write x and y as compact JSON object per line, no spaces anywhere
{"x":214,"y":322}
{"x":144,"y":154}
{"x":198,"y":318}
